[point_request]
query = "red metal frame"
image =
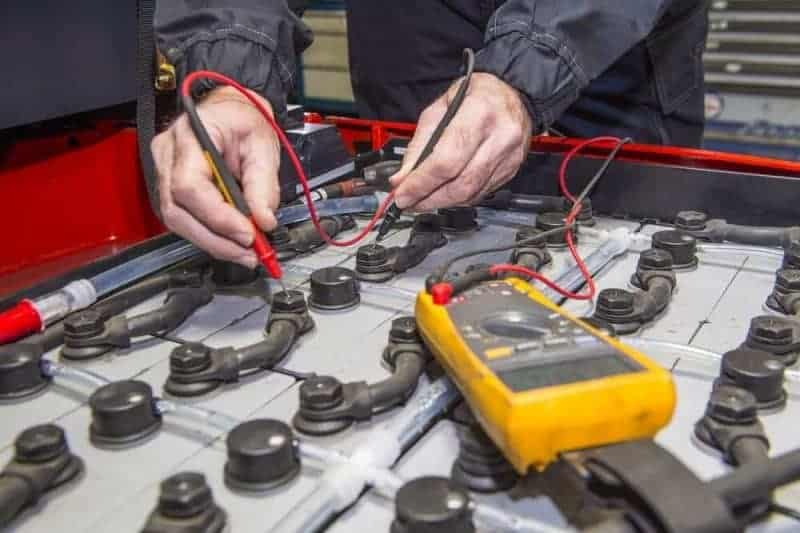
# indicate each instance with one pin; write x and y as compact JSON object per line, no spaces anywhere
{"x":377,"y":133}
{"x":70,"y":198}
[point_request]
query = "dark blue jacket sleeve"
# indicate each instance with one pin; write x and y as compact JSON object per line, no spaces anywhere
{"x":255,"y":42}
{"x":550,"y":50}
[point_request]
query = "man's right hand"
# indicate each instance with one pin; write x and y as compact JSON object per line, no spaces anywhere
{"x":191,"y":205}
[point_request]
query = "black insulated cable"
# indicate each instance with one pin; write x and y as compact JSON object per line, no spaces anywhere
{"x":442,"y":271}
{"x":328,"y":406}
{"x":536,"y":203}
{"x":625,"y":312}
{"x":91,"y":336}
{"x":42,"y":461}
{"x":696,"y":223}
{"x":378,"y":264}
{"x":755,"y":481}
{"x":731,"y":426}
{"x":408,"y":367}
{"x":197,"y":369}
{"x":21,"y":373}
{"x":53,"y":336}
{"x":532,"y":256}
{"x":304,"y":238}
{"x":393,"y":213}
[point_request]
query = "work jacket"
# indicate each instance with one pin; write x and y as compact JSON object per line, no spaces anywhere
{"x":583,"y":67}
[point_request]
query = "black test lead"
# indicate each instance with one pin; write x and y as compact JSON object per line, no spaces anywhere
{"x":393,"y":213}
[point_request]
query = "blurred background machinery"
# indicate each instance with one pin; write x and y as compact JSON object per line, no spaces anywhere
{"x":752,"y":73}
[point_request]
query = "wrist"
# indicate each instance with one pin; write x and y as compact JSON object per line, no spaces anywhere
{"x":229,"y":94}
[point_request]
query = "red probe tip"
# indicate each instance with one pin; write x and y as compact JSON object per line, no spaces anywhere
{"x":266,"y":256}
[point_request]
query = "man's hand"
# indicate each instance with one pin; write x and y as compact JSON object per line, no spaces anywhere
{"x":191,"y":205}
{"x":481,"y":149}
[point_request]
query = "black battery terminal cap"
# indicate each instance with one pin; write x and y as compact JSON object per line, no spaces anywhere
{"x":432,"y":505}
{"x":21,"y":373}
{"x":232,"y":278}
{"x":682,"y":247}
{"x":123,"y":414}
{"x":186,"y":505}
{"x":458,"y":219}
{"x":757,"y":372}
{"x":333,"y":289}
{"x":262,"y":455}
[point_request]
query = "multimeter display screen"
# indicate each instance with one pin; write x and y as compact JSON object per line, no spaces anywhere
{"x":539,"y":376}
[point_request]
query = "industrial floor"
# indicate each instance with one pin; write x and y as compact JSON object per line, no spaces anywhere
{"x":711,"y":309}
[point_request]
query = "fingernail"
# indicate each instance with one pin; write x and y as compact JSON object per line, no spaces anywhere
{"x":248,"y":260}
{"x":402,"y":201}
{"x":245,"y":238}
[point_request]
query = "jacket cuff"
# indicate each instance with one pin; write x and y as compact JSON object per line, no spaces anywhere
{"x":247,"y":55}
{"x":540,"y":66}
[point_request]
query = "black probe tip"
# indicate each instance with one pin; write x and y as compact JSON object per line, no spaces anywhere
{"x":391,"y":216}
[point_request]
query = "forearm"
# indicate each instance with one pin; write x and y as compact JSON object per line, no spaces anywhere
{"x":255,"y":42}
{"x":550,"y":50}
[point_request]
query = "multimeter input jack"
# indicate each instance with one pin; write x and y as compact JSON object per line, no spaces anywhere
{"x":196,"y":369}
{"x":88,"y":334}
{"x":328,"y":406}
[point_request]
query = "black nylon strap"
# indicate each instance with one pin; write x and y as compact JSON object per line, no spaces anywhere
{"x":679,"y":501}
{"x":146,"y":97}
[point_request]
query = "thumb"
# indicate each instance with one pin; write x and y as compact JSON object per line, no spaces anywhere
{"x":260,"y":159}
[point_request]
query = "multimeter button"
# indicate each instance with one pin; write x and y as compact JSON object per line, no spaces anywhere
{"x":681,"y":246}
{"x":755,"y":371}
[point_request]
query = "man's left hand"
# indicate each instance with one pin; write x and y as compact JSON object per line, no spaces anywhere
{"x":480,"y":150}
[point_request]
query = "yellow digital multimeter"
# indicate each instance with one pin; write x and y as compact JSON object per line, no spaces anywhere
{"x":539,"y":381}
